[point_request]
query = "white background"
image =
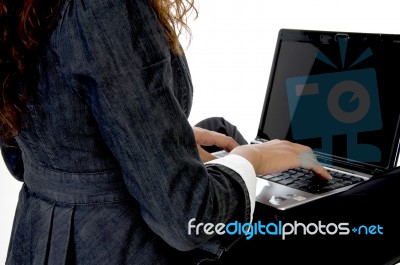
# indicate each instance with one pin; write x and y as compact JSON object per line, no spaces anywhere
{"x":230,"y":58}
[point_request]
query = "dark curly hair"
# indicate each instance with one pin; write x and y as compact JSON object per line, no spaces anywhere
{"x":26,"y":24}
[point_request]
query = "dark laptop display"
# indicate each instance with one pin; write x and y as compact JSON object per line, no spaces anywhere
{"x":335,"y":92}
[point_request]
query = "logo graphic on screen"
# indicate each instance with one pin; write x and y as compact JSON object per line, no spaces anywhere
{"x":339,"y":103}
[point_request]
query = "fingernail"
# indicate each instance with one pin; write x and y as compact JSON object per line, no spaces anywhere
{"x":328,"y":176}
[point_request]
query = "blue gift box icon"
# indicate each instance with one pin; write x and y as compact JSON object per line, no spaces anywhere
{"x":337,"y":103}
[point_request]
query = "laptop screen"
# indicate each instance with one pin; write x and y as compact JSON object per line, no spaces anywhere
{"x":336,"y":92}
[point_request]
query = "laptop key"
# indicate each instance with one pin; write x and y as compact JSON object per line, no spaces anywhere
{"x":303,"y":182}
{"x":336,"y":186}
{"x":326,"y":189}
{"x":333,"y":181}
{"x":286,"y":181}
{"x":275,"y":179}
{"x":294,"y":185}
{"x":356,"y":179}
{"x":300,"y":175}
{"x":346,"y":183}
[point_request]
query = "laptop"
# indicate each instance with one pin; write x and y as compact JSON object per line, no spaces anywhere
{"x":336,"y":93}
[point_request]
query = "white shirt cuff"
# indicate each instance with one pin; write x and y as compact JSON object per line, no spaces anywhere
{"x":246,"y":171}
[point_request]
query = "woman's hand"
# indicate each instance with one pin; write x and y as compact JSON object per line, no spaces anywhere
{"x":266,"y":158}
{"x":205,"y":137}
{"x":276,"y":155}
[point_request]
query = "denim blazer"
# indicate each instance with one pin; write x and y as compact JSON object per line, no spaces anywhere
{"x":109,"y":161}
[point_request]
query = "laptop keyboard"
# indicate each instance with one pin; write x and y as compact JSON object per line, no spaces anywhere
{"x":305,"y":180}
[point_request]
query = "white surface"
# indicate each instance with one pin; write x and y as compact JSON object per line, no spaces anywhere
{"x":230,"y":58}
